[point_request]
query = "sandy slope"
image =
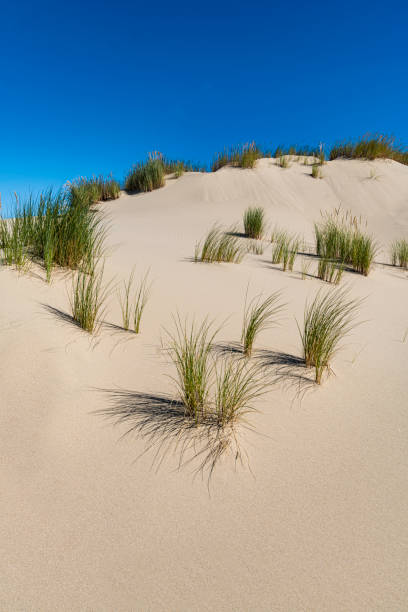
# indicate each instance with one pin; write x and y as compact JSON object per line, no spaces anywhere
{"x":320,"y":523}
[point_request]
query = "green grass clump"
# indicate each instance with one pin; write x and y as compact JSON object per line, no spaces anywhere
{"x":88,"y":191}
{"x":259,"y":315}
{"x":330,"y":271}
{"x":132,"y":307}
{"x":220,"y":246}
{"x":146,"y":176}
{"x":378,"y":146}
{"x":399,"y":253}
{"x":327,"y":320}
{"x":190,"y":347}
{"x":237,"y":385}
{"x":254,"y":222}
{"x":284,"y":161}
{"x":88,"y":299}
{"x":285,"y":248}
{"x":339,"y":237}
{"x":316,"y":171}
{"x":55,"y":229}
{"x":179,"y":171}
{"x":241,"y":156}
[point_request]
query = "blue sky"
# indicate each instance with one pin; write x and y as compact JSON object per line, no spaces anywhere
{"x":90,"y":87}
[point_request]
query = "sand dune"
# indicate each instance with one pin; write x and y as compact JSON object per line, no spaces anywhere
{"x":317,"y":521}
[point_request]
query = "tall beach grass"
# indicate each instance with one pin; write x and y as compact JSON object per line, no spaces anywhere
{"x":327,"y":320}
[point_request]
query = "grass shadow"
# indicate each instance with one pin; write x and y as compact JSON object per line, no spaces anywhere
{"x":160,"y":421}
{"x":288,"y":370}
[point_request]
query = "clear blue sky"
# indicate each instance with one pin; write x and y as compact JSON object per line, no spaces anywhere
{"x":92,"y":87}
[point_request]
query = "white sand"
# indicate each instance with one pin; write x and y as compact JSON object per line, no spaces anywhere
{"x":320,"y":524}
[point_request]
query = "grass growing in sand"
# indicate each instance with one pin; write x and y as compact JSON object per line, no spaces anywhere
{"x":190,"y":346}
{"x":237,"y":385}
{"x":53,"y":228}
{"x":316,"y":171}
{"x":146,"y":176}
{"x":88,"y":191}
{"x":254,"y":222}
{"x":259,"y":315}
{"x":241,"y":156}
{"x":377,"y":146}
{"x":133,"y":307}
{"x":88,"y":299}
{"x":285,"y":248}
{"x":330,"y":271}
{"x":327,"y":320}
{"x":339,"y":237}
{"x":220,"y":246}
{"x":399,"y":253}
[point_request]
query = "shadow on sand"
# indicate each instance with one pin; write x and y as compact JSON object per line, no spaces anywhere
{"x":161,"y":422}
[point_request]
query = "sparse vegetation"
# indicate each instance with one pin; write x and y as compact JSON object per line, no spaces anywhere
{"x":55,"y":229}
{"x":146,"y":176}
{"x":241,"y":156}
{"x":327,"y":320}
{"x":259,"y":315}
{"x":237,"y":385}
{"x":88,"y":191}
{"x":220,"y":246}
{"x":399,"y":253}
{"x":339,"y":237}
{"x":256,"y":247}
{"x":132,"y":308}
{"x":371,"y":147}
{"x":190,"y":346}
{"x":88,"y":299}
{"x":316,"y":171}
{"x":142,"y":296}
{"x":284,"y":161}
{"x":330,"y":271}
{"x":285,"y":248}
{"x":254,"y":222}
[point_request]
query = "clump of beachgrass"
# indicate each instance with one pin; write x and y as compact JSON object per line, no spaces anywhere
{"x":146,"y":176}
{"x":55,"y":229}
{"x":259,"y":314}
{"x":220,"y":246}
{"x":327,"y":320}
{"x":285,"y":247}
{"x":88,"y":191}
{"x":256,"y":247}
{"x":284,"y":161}
{"x":88,"y":299}
{"x":340,"y":237}
{"x":133,"y":305}
{"x":237,"y":386}
{"x":399,"y":253}
{"x":254,"y":222}
{"x":190,"y":347}
{"x":377,"y":146}
{"x":330,"y":271}
{"x":241,"y":156}
{"x":179,"y":170}
{"x":316,"y":171}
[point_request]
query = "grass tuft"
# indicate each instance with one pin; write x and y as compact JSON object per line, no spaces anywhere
{"x":339,"y":237}
{"x":259,"y":315}
{"x":220,"y":246}
{"x":399,"y":253}
{"x":327,"y":320}
{"x":254,"y":222}
{"x":88,"y":299}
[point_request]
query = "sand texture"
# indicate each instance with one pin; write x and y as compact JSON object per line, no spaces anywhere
{"x":315,"y":520}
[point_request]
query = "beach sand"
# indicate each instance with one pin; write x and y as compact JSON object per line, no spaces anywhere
{"x":314,"y":519}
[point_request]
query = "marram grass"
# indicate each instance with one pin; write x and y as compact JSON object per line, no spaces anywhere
{"x":327,"y":320}
{"x":220,"y":246}
{"x":254,"y":222}
{"x":259,"y":315}
{"x":88,"y":299}
{"x":399,"y":253}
